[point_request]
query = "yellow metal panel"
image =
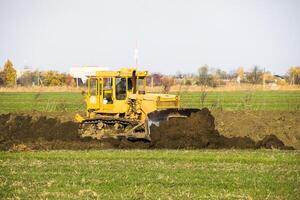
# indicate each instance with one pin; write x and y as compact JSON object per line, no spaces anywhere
{"x":122,"y":73}
{"x":144,"y":103}
{"x":79,"y":118}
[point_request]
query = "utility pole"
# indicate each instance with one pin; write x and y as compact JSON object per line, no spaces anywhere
{"x":136,"y":55}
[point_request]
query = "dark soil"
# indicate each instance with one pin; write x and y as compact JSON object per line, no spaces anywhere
{"x":37,"y":132}
{"x":257,"y":125}
{"x":198,"y":131}
{"x":33,"y":131}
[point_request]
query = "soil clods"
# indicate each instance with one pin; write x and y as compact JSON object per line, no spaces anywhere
{"x":23,"y":132}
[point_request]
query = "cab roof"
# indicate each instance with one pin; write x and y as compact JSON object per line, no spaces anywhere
{"x":123,"y":72}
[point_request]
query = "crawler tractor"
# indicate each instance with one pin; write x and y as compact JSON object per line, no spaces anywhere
{"x":119,"y":107}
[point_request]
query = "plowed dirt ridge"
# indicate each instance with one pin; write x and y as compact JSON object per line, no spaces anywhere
{"x":34,"y":131}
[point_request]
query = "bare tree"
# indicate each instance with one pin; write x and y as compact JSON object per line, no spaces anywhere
{"x":255,"y":76}
{"x":203,"y":75}
{"x":167,"y":82}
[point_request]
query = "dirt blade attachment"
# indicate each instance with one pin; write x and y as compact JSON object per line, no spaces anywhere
{"x":181,"y":128}
{"x":156,"y":117}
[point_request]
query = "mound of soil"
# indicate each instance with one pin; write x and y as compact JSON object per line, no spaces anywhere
{"x":198,"y":131}
{"x":23,"y":132}
{"x":257,"y":125}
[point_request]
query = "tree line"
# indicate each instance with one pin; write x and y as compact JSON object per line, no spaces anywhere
{"x":212,"y":77}
{"x":206,"y":76}
{"x":8,"y":77}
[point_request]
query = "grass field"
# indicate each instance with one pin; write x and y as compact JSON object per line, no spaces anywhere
{"x":45,"y":101}
{"x":151,"y":174}
{"x":235,"y":100}
{"x":155,"y":174}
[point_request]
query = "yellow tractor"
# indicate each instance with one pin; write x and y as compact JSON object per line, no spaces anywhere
{"x":119,"y":107}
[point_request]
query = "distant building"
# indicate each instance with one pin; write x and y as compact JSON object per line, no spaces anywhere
{"x":82,"y":73}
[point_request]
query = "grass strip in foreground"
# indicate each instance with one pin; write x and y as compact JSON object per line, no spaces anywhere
{"x":150,"y":174}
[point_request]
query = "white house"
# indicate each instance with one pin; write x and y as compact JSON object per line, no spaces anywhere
{"x":83,"y":72}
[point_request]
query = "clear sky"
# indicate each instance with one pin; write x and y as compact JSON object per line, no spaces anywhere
{"x":172,"y":35}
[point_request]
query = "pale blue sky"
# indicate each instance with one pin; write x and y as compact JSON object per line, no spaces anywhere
{"x":173,"y":35}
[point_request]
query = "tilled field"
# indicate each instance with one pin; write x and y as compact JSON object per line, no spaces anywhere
{"x":45,"y":131}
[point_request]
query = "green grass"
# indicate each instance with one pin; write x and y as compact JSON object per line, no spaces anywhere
{"x":155,"y":174}
{"x":149,"y":174}
{"x":239,"y":100}
{"x":236,"y":100}
{"x":44,"y":101}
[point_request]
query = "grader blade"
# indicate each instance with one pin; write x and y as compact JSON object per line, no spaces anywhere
{"x":156,"y":117}
{"x":181,"y":128}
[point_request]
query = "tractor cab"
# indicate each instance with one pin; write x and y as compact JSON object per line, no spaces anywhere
{"x":108,"y":91}
{"x":118,"y":106}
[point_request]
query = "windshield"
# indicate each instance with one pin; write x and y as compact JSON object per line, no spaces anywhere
{"x":107,"y":91}
{"x":93,"y":89}
{"x":141,"y":84}
{"x":121,"y":88}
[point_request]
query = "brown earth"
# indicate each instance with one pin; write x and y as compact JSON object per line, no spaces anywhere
{"x":35,"y":131}
{"x":199,"y":131}
{"x":285,"y":125}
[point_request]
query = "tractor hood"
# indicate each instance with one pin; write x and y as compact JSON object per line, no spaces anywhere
{"x":151,"y":102}
{"x":154,"y":97}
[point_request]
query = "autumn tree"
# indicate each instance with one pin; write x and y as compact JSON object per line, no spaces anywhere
{"x":241,"y":72}
{"x":294,"y":75}
{"x":52,"y":78}
{"x":1,"y":78}
{"x":9,"y":74}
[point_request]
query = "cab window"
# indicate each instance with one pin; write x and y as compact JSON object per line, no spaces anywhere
{"x":107,"y":83}
{"x":121,"y":88}
{"x":93,"y":87}
{"x":141,"y":85}
{"x":107,"y":91}
{"x":129,"y":84}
